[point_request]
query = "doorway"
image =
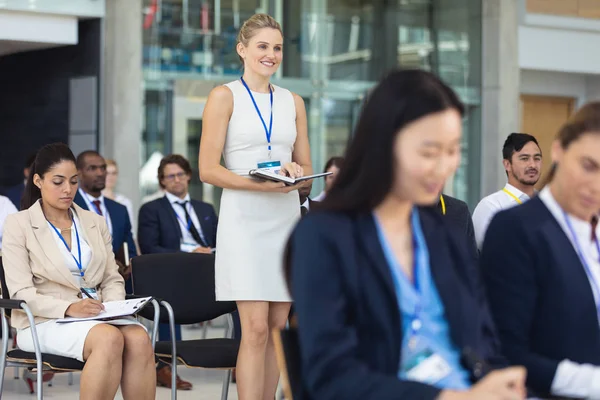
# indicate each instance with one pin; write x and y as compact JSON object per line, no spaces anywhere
{"x":542,"y":117}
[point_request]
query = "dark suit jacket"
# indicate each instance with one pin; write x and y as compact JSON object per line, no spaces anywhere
{"x":459,"y":217}
{"x":349,"y":322}
{"x":159,"y":230}
{"x":539,"y":293}
{"x":121,"y":226}
{"x":15,"y":193}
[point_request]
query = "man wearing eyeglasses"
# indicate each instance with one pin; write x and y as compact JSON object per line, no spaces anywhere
{"x":174,"y":223}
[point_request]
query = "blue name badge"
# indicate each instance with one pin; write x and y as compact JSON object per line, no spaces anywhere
{"x":272,"y":166}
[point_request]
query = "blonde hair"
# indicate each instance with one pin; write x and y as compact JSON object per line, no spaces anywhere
{"x":254,"y":24}
{"x":111,"y":162}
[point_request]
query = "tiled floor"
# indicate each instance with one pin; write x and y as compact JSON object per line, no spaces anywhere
{"x":207,"y":384}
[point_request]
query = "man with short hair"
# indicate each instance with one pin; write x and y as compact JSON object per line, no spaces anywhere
{"x":522,"y":162}
{"x":173,"y":223}
{"x":91,"y":167}
{"x":176,"y":222}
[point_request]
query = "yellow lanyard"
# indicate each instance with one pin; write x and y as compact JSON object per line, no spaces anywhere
{"x":443,"y":203}
{"x":505,"y":190}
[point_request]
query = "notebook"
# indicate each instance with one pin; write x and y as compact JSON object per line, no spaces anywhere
{"x":272,"y":176}
{"x":113,"y":309}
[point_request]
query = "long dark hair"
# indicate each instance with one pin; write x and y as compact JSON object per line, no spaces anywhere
{"x":400,"y":98}
{"x":585,"y":120}
{"x":46,"y":158}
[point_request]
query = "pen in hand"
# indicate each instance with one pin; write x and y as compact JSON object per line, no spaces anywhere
{"x":86,"y":294}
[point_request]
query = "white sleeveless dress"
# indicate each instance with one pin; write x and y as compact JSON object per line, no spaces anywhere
{"x":254,"y":226}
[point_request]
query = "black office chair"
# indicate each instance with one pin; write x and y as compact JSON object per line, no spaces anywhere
{"x":37,"y":360}
{"x":187,"y":282}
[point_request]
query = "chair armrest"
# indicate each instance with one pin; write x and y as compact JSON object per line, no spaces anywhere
{"x":135,"y":296}
{"x":11,"y":304}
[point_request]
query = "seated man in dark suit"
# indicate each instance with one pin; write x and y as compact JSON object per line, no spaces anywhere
{"x":305,"y":201}
{"x":173,"y":223}
{"x":16,"y":192}
{"x":458,"y":216}
{"x":91,"y":167}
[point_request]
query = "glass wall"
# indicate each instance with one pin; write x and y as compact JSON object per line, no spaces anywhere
{"x":334,"y":52}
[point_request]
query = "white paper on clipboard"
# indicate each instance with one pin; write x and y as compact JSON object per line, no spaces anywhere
{"x":113,"y":309}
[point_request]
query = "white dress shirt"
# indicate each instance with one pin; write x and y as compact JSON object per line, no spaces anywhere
{"x":320,"y":196}
{"x":86,"y":251}
{"x":492,"y":204}
{"x":6,"y":208}
{"x":306,"y":204}
{"x":119,"y":198}
{"x":188,"y":243}
{"x":574,"y":379}
{"x":88,"y":198}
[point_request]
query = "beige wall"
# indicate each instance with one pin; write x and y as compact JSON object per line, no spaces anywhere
{"x":572,"y":8}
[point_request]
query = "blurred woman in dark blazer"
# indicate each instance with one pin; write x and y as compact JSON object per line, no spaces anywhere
{"x":541,"y":266}
{"x":388,"y":300}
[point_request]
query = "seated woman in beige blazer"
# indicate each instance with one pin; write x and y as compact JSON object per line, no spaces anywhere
{"x":51,"y":251}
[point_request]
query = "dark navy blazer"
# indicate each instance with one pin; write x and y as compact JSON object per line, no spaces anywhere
{"x":119,"y":218}
{"x":160,"y":232}
{"x":349,"y":322}
{"x":539,"y":293}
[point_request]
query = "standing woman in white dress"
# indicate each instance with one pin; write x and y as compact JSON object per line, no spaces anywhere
{"x":255,"y":124}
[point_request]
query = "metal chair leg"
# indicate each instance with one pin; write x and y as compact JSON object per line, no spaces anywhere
{"x":204,"y":329}
{"x":38,"y":352}
{"x":225,"y":390}
{"x":169,"y":309}
{"x":70,"y":379}
{"x":5,"y":329}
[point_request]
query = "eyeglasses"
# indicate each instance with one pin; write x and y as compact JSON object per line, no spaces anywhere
{"x":172,"y":177}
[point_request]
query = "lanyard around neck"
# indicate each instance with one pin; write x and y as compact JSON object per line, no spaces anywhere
{"x":508,"y":192}
{"x":443,"y":203}
{"x":578,"y":249}
{"x":420,"y":262}
{"x":270,"y":129}
{"x":60,"y":236}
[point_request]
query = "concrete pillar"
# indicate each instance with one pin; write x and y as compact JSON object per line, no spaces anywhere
{"x":121,"y":122}
{"x":500,"y":88}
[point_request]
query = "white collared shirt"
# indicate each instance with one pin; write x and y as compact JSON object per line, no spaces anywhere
{"x":306,"y":204}
{"x":86,"y":251}
{"x":88,"y":198}
{"x":6,"y":208}
{"x":573,"y":379}
{"x":491,"y":205}
{"x":320,"y":196}
{"x":188,"y":243}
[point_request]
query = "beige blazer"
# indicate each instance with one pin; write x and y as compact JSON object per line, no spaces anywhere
{"x":35,"y":267}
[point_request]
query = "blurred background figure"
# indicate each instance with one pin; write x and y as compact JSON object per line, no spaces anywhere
{"x":6,"y":208}
{"x":15,"y":193}
{"x":388,"y":299}
{"x":541,"y":266}
{"x":112,"y":176}
{"x":332,"y":165}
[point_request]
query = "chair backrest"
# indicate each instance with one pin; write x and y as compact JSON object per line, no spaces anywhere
{"x":184,"y":280}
